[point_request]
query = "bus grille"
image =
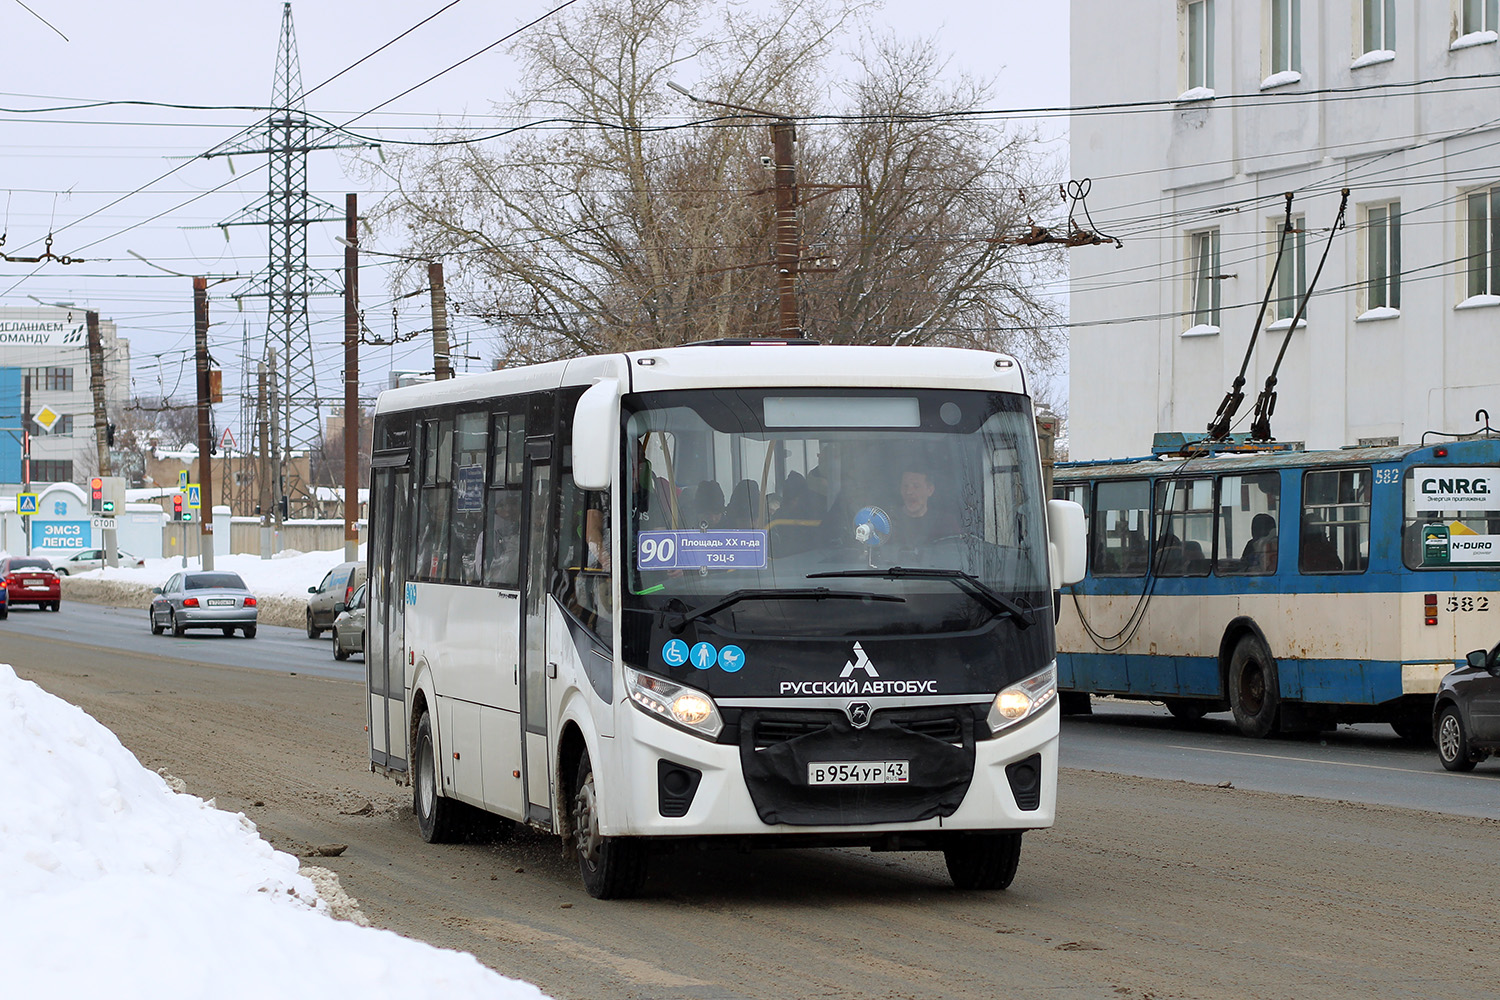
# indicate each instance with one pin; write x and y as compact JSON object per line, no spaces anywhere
{"x":943,"y":724}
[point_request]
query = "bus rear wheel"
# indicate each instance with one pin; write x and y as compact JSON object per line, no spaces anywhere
{"x":983,"y":860}
{"x":437,"y":817}
{"x":1254,"y":692}
{"x":612,"y":867}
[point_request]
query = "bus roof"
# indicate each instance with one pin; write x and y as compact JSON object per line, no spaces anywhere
{"x":1481,"y":450}
{"x":734,"y":365}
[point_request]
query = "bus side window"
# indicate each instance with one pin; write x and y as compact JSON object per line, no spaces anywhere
{"x":1335,"y":526}
{"x":466,"y":551}
{"x":1184,"y":526}
{"x":502,"y":550}
{"x":434,"y":501}
{"x":1121,"y":526}
{"x":1249,"y":524}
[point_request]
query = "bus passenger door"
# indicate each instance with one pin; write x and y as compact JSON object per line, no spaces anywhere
{"x":534,"y":667}
{"x":385,"y":636}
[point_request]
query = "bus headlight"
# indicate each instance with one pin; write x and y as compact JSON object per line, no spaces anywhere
{"x":676,"y":703}
{"x":1023,"y":699}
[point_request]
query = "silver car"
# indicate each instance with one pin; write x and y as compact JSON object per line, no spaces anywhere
{"x":203,"y":599}
{"x":90,"y":559}
{"x":349,"y":627}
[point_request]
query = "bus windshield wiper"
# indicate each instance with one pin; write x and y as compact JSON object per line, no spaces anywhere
{"x":967,"y":582}
{"x":677,"y":619}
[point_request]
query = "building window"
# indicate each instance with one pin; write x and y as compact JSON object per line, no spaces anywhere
{"x":51,"y":470}
{"x":1286,"y":36}
{"x":1200,"y":44}
{"x":1481,"y":15}
{"x":1291,"y":273}
{"x":1380,"y":25}
{"x":1383,"y":256}
{"x":1484,"y":241}
{"x":1206,"y":278}
{"x":58,"y":379}
{"x":61,"y":427}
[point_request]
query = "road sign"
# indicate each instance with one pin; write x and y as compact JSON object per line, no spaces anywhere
{"x":194,"y":494}
{"x":106,"y":523}
{"x":182,"y":475}
{"x":26,"y":503}
{"x":46,"y":417}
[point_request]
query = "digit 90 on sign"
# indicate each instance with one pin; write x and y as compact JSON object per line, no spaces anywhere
{"x":657,"y":551}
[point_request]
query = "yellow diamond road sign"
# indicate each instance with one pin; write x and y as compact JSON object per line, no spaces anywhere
{"x":47,"y":416}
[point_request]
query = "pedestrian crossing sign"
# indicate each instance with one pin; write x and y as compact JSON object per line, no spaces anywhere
{"x":26,"y":503}
{"x":193,"y":495}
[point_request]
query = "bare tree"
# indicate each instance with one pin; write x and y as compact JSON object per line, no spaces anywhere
{"x":614,"y":226}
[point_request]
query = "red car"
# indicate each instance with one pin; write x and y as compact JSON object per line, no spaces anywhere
{"x":31,"y":580}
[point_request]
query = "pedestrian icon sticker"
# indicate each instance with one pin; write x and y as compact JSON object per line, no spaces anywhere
{"x":705,"y":655}
{"x":675,"y":653}
{"x":731,"y":658}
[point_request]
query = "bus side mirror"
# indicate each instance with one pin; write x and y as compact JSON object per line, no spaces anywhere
{"x":1067,"y":543}
{"x":596,"y":435}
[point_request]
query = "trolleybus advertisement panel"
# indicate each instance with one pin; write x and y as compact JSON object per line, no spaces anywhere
{"x":1473,"y":495}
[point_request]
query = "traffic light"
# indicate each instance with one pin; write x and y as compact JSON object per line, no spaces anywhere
{"x":96,"y":495}
{"x":177,"y":506}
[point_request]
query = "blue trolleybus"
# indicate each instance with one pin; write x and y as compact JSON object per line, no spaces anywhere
{"x":1296,"y":590}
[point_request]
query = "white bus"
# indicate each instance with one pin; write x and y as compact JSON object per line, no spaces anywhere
{"x":753,"y":594}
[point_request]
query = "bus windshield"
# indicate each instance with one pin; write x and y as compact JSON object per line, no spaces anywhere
{"x":920,"y":509}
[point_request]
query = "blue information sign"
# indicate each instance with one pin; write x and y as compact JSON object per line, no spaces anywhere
{"x":469,"y":489}
{"x":700,"y":550}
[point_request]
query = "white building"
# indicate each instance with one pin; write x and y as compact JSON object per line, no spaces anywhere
{"x":50,"y":345}
{"x":1240,"y":102}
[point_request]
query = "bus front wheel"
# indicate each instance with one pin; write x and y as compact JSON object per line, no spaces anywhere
{"x":1254,"y":692}
{"x":983,"y":860}
{"x":437,"y":817}
{"x":612,"y":867}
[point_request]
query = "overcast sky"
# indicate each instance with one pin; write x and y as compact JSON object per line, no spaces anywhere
{"x":59,"y":167}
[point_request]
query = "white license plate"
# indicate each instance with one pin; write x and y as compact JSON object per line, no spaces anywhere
{"x":221,"y":602}
{"x":857,"y":772}
{"x":36,"y":586}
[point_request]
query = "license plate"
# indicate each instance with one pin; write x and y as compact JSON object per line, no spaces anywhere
{"x":36,"y":586}
{"x":857,"y":772}
{"x":221,"y":602}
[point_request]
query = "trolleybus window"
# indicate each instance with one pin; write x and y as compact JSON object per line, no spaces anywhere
{"x":1184,"y":526}
{"x":1249,"y":522}
{"x":1335,"y":529}
{"x":1120,"y":527}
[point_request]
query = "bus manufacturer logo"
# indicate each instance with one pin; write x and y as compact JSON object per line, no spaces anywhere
{"x":859,"y":714}
{"x":861,"y":661}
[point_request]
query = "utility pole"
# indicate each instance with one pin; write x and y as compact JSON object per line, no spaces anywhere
{"x":101,"y":418}
{"x":263,"y":466}
{"x":205,"y":435}
{"x":351,"y":378}
{"x":788,"y":238}
{"x":441,"y":368}
{"x":26,"y":452}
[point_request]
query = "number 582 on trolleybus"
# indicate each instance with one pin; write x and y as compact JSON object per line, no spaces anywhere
{"x":764,"y":594}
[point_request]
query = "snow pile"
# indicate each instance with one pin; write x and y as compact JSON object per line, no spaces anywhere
{"x":288,"y":574}
{"x":115,"y":886}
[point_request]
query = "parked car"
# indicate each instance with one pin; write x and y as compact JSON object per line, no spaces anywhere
{"x":4,"y":603}
{"x":30,"y":580}
{"x":204,"y":599}
{"x":337,"y":588}
{"x":87,"y":559}
{"x":349,"y":627}
{"x":1466,"y":713}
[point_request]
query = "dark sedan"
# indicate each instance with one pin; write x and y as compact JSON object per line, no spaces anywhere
{"x":1466,"y":715}
{"x":204,"y":599}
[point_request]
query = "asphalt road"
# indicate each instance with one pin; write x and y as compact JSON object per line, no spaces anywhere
{"x":1364,"y":763}
{"x":1145,"y":888}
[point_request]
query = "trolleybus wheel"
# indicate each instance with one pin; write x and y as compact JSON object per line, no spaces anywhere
{"x":983,"y":860}
{"x":1254,"y":694}
{"x":1453,"y":742}
{"x":437,"y":817}
{"x":612,"y":867}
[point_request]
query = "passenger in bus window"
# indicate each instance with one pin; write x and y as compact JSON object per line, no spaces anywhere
{"x":743,"y":510}
{"x":707,"y":506}
{"x":1259,"y":555}
{"x":1319,"y":555}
